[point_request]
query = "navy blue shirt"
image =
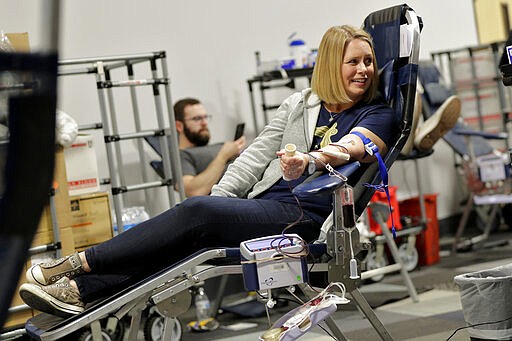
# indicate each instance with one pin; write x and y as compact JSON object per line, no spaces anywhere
{"x":331,"y":127}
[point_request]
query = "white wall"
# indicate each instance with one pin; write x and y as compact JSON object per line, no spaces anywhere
{"x":210,"y":47}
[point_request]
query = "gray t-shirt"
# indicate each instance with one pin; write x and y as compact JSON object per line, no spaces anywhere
{"x":194,"y":160}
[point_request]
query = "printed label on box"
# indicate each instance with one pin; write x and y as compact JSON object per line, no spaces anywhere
{"x":92,"y":223}
{"x":82,"y":166}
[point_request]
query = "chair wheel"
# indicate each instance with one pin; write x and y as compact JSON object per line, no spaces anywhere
{"x":154,"y":328}
{"x":375,"y":262}
{"x":85,"y":334}
{"x":409,"y":256}
{"x":483,"y":216}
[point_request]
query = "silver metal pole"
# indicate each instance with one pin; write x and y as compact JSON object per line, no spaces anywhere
{"x":163,"y":138}
{"x":138,"y":128}
{"x":115,"y":131}
{"x":114,"y":179}
{"x":104,"y":59}
{"x":175,"y":163}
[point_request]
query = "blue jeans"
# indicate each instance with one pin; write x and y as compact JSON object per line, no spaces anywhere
{"x":194,"y":224}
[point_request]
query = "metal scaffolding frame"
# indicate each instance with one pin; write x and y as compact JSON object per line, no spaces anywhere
{"x":101,"y":68}
{"x":445,"y":60}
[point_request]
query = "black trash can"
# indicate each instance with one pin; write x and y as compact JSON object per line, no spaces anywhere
{"x":486,"y":298}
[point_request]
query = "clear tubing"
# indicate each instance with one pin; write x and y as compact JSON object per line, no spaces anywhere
{"x":349,"y":223}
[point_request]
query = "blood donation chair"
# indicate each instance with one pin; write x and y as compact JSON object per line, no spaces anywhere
{"x":485,"y":169}
{"x":396,"y":32}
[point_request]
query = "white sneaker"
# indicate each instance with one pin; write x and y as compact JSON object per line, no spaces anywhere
{"x":60,"y":299}
{"x":51,"y":272}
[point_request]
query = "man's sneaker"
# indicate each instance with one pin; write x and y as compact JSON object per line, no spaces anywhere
{"x":51,"y":272}
{"x":438,"y":124}
{"x":59,"y":299}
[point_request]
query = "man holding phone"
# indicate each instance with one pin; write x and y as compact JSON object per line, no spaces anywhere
{"x":202,"y":164}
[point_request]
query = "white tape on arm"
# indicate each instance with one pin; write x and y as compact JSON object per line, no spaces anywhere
{"x":339,"y":155}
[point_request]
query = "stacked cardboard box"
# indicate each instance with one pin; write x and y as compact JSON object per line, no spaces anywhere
{"x":91,"y":221}
{"x":19,"y":41}
{"x":86,"y":216}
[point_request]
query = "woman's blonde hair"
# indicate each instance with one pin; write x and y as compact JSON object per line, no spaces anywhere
{"x":326,"y":81}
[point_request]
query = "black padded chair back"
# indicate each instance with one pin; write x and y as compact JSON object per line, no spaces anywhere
{"x":30,"y":153}
{"x":434,"y":90}
{"x":398,"y":75}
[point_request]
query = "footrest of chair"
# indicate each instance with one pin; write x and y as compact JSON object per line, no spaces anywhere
{"x":39,"y":324}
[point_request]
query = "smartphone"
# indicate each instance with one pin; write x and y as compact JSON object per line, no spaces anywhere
{"x":239,"y":130}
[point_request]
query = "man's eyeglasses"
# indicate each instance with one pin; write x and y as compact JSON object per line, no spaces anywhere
{"x":198,"y":119}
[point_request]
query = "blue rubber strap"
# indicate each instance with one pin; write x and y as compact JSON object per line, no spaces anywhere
{"x":372,"y":149}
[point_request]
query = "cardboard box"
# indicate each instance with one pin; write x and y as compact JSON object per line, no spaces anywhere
{"x":66,"y":241}
{"x":19,"y":41}
{"x":18,"y":318}
{"x":45,"y":222}
{"x":47,"y":237}
{"x":88,"y":223}
{"x":23,"y":312}
{"x":82,"y":166}
{"x":92,"y":223}
{"x":60,"y":197}
{"x":16,"y":300}
{"x":60,"y":186}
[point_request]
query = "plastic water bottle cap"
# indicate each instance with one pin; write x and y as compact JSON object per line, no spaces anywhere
{"x":297,"y":42}
{"x":290,"y":149}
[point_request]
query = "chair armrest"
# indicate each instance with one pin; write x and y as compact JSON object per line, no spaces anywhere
{"x":325,"y":183}
{"x":415,"y":154}
{"x":485,"y":135}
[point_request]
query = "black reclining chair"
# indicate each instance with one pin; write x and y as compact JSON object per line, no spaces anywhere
{"x":168,"y":289}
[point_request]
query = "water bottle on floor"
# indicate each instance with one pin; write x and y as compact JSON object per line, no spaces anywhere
{"x":203,"y":313}
{"x":202,"y":304}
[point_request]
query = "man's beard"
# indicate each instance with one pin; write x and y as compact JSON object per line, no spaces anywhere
{"x":200,"y":138}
